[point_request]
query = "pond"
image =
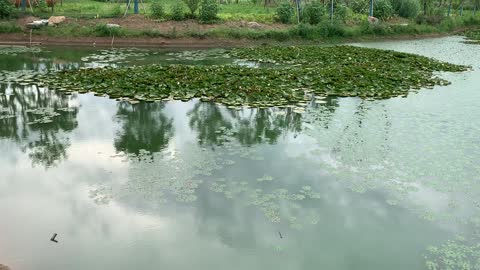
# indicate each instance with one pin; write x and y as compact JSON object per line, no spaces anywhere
{"x":347,"y":183}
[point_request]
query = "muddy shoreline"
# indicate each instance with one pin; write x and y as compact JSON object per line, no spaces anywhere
{"x":146,"y":42}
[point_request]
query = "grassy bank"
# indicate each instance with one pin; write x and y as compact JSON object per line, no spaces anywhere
{"x":323,"y":31}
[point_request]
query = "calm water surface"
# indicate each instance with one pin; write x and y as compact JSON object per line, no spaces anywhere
{"x":350,"y":184}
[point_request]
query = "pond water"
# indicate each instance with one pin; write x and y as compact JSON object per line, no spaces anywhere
{"x":349,"y":184}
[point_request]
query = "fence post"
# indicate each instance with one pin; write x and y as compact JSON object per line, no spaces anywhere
{"x":331,"y":10}
{"x":371,"y":8}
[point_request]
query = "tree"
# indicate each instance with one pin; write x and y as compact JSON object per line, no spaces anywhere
{"x":192,"y":6}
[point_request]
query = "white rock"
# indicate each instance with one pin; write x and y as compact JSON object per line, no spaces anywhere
{"x":372,"y":20}
{"x":112,"y":25}
{"x":254,"y":25}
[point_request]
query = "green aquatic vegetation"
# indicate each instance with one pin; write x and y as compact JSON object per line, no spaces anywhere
{"x":5,"y":113}
{"x":100,"y":195}
{"x":302,"y":71}
{"x":473,"y":36}
{"x":42,"y":115}
{"x":22,"y":77}
{"x":15,"y":50}
{"x":179,"y":177}
{"x":265,"y":178}
{"x":198,"y":55}
{"x":458,"y":254}
{"x":116,"y":55}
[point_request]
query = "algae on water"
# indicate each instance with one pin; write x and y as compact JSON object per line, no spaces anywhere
{"x":302,"y":71}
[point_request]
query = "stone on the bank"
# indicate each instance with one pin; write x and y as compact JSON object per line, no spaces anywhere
{"x":56,"y":20}
{"x":112,"y":25}
{"x":372,"y":20}
{"x":254,"y":25}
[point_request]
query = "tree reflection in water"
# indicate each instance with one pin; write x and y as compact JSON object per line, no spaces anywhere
{"x":144,"y":126}
{"x":46,"y":143}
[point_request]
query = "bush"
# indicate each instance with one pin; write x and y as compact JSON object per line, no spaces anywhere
{"x":284,"y":12}
{"x":177,"y":12}
{"x":192,"y":6}
{"x":101,"y":30}
{"x":9,"y":27}
{"x":208,"y":11}
{"x":406,"y":8}
{"x":429,"y":19}
{"x":383,"y":9}
{"x":359,"y":6}
{"x":313,"y":12}
{"x":158,"y":12}
{"x":341,"y":13}
{"x":6,"y":9}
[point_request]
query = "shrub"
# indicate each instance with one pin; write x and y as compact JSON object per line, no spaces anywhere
{"x":359,"y":6}
{"x":406,"y":8}
{"x":429,"y":19}
{"x":6,"y":9}
{"x":101,"y":30}
{"x":208,"y":11}
{"x":9,"y":27}
{"x":314,"y":12}
{"x":158,"y":12}
{"x":341,"y":13}
{"x":284,"y":12}
{"x":177,"y":12}
{"x":383,"y":9}
{"x":192,"y":6}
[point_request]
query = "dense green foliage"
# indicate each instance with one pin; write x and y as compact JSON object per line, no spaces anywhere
{"x":177,"y":12}
{"x":9,"y":27}
{"x":383,"y":9}
{"x":313,"y":12}
{"x":192,"y":6}
{"x":208,"y":11}
{"x":157,"y":10}
{"x":406,"y":8}
{"x":473,"y":36}
{"x":6,"y":9}
{"x":337,"y":71}
{"x":284,"y":12}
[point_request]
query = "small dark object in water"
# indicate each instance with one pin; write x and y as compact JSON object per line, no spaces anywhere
{"x":53,"y":238}
{"x":279,"y":233}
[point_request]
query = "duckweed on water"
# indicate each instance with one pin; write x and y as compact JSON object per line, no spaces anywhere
{"x":458,"y":254}
{"x":14,"y":50}
{"x":116,"y":55}
{"x":338,"y":71}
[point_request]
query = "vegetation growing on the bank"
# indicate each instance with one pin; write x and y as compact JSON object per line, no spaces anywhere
{"x":300,"y":72}
{"x":473,"y":36}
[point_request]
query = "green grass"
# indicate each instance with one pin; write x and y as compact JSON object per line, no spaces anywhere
{"x":244,"y":10}
{"x":9,"y":27}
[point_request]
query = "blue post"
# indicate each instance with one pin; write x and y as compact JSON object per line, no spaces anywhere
{"x":371,"y":8}
{"x":135,"y":6}
{"x":24,"y":5}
